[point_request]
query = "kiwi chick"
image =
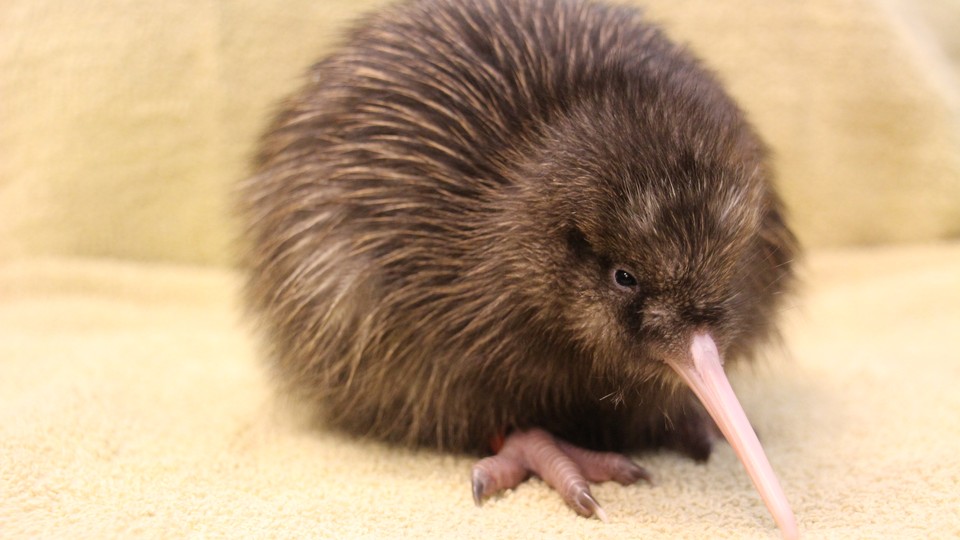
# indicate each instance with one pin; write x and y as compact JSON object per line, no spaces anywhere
{"x":520,"y":218}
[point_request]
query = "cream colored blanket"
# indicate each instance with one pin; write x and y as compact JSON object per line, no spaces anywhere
{"x":131,"y":405}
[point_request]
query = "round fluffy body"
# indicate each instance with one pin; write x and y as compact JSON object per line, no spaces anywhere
{"x":439,"y":219}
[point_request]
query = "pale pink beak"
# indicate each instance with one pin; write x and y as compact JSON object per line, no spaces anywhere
{"x":703,"y":373}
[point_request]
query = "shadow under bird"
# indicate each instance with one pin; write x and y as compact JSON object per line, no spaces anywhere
{"x":532,"y":228}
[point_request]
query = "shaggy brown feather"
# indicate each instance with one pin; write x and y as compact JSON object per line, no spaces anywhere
{"x":435,"y":218}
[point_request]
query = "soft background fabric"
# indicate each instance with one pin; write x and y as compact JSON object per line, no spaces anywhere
{"x":132,"y":401}
{"x":124,"y":123}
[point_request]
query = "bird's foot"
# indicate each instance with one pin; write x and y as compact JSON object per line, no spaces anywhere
{"x":563,"y":466}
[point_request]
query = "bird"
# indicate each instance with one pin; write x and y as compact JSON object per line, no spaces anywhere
{"x":532,"y":230}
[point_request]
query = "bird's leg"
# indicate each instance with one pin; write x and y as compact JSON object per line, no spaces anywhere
{"x":564,"y":467}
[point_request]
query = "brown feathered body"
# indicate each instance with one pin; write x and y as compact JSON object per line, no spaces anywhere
{"x":438,"y":217}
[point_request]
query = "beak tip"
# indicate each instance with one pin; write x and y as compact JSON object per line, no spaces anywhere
{"x":703,"y":372}
{"x":789,"y":530}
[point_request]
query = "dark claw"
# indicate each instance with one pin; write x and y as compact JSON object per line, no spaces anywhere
{"x":633,"y":472}
{"x":586,"y":501}
{"x":479,"y":486}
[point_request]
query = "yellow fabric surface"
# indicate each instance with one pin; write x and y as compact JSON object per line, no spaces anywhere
{"x":123,"y":124}
{"x":131,"y":405}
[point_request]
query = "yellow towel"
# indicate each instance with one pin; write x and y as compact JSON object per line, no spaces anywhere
{"x":131,"y":405}
{"x":132,"y":401}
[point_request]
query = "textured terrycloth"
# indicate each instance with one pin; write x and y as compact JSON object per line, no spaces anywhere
{"x":131,"y":399}
{"x":131,"y":405}
{"x":123,"y":124}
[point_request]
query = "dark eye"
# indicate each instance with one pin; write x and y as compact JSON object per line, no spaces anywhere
{"x":624,"y":278}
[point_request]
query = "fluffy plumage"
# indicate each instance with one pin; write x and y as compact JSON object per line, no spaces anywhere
{"x":437,"y":217}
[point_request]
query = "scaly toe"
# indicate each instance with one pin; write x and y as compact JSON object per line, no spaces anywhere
{"x":605,"y":466}
{"x":496,"y":473}
{"x":562,"y":466}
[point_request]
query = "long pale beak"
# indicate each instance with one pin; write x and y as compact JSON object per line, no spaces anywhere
{"x":703,"y":373}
